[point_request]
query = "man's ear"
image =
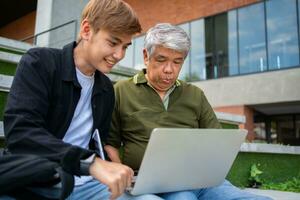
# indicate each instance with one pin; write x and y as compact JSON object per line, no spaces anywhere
{"x":85,"y":30}
{"x":146,"y":57}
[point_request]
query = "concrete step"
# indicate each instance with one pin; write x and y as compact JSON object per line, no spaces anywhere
{"x":5,"y":82}
{"x":14,"y":45}
{"x":10,"y":57}
{"x":1,"y":130}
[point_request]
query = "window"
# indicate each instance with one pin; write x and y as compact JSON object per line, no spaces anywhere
{"x":185,"y":71}
{"x":232,"y":43}
{"x":252,"y":42}
{"x":216,"y":46}
{"x":221,"y":44}
{"x":283,"y":49}
{"x":127,"y":61}
{"x":210,"y":65}
{"x":138,"y":53}
{"x":198,"y":70}
{"x":256,"y":38}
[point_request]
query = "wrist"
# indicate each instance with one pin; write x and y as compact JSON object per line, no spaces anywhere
{"x":86,"y":164}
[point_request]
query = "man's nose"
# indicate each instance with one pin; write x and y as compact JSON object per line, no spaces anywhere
{"x":168,"y":68}
{"x":119,"y":53}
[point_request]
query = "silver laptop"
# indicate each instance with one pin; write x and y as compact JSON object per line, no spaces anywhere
{"x":183,"y":159}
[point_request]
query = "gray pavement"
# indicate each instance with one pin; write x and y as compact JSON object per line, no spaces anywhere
{"x":276,"y":195}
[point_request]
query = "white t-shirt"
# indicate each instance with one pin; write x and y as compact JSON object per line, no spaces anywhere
{"x":80,"y":129}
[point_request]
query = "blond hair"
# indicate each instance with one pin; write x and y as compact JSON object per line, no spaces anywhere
{"x":115,"y":16}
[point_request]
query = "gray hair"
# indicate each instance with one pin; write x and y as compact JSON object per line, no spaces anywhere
{"x":168,"y":36}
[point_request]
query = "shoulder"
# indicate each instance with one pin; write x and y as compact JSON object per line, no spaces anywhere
{"x":41,"y":58}
{"x":190,"y":88}
{"x":39,"y":53}
{"x":123,"y":84}
{"x":125,"y":88}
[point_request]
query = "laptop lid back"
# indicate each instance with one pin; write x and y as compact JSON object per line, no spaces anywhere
{"x":183,"y":159}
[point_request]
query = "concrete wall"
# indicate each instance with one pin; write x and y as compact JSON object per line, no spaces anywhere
{"x":269,"y":87}
{"x":52,"y":13}
{"x":43,"y":21}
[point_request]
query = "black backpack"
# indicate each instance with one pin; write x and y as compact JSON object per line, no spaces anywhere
{"x":18,"y":172}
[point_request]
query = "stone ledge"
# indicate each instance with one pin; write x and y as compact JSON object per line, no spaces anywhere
{"x":10,"y":57}
{"x":1,"y":130}
{"x":269,"y":148}
{"x":5,"y":82}
{"x":14,"y":45}
{"x":231,"y":118}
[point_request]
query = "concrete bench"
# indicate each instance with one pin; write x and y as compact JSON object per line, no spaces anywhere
{"x":1,"y":130}
{"x":5,"y":82}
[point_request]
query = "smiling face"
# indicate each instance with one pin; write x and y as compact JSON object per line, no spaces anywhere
{"x":99,"y":51}
{"x":163,"y":67}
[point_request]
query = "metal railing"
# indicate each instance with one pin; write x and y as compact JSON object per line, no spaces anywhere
{"x":34,"y":38}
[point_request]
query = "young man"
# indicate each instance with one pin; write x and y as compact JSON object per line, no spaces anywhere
{"x":60,"y":97}
{"x":156,"y":98}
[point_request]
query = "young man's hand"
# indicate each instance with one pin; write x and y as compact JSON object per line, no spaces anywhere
{"x":115,"y":175}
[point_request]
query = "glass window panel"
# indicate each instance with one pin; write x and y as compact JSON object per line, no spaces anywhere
{"x":252,"y":42}
{"x":285,"y":129}
{"x":216,"y":46}
{"x":127,"y":61}
{"x":283,"y":50}
{"x":210,"y":49}
{"x":221,"y":44}
{"x":198,"y":70}
{"x":232,"y":43}
{"x":297,"y":127}
{"x":138,"y":53}
{"x":185,"y":72}
{"x":298,"y":17}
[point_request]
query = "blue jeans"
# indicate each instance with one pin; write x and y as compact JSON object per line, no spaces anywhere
{"x":225,"y":191}
{"x":92,"y":190}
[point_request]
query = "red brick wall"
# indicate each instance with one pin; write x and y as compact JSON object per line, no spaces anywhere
{"x":241,"y":110}
{"x":20,"y":28}
{"x":151,"y":12}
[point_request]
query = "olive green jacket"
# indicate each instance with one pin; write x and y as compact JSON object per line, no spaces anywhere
{"x":139,"y":109}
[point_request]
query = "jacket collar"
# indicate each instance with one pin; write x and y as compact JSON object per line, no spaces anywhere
{"x":140,"y":78}
{"x":68,"y":64}
{"x":69,"y":72}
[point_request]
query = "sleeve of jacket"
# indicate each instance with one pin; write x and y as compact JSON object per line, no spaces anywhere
{"x":25,"y":124}
{"x":114,"y":137}
{"x":108,"y":110}
{"x":207,"y":117}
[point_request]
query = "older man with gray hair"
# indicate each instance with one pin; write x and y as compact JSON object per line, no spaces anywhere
{"x":156,"y":98}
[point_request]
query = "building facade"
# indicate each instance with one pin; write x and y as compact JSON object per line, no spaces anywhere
{"x":244,"y":55}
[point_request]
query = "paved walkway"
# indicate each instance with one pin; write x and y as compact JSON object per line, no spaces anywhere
{"x":276,"y":195}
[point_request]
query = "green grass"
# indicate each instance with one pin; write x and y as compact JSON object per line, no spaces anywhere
{"x":7,"y":68}
{"x":2,"y":143}
{"x":229,"y":126}
{"x":276,"y":168}
{"x":3,"y":97}
{"x":292,"y":185}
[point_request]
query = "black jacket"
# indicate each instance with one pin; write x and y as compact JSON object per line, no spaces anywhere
{"x":41,"y":104}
